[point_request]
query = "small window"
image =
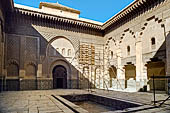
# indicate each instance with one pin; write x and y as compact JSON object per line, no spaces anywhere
{"x":69,"y":52}
{"x":128,"y":50}
{"x":63,"y":51}
{"x":111,"y":53}
{"x":153,"y":43}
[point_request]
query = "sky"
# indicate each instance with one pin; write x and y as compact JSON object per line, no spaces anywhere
{"x":98,"y":10}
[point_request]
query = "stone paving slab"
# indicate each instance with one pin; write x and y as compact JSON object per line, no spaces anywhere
{"x":60,"y":105}
{"x":41,"y":101}
{"x":139,"y":97}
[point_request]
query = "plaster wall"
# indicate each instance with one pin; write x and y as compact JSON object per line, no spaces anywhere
{"x":140,"y":29}
{"x":33,"y":43}
{"x":60,"y":12}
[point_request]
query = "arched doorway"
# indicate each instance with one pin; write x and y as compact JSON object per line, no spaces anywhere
{"x":59,"y":77}
{"x":156,"y":68}
{"x":130,"y":75}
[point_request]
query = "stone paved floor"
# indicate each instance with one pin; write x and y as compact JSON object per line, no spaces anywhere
{"x":41,"y":101}
{"x":140,"y":97}
{"x":34,"y":101}
{"x":144,"y":98}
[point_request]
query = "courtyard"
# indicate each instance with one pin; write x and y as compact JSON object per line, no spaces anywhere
{"x":43,"y":101}
{"x":54,"y":60}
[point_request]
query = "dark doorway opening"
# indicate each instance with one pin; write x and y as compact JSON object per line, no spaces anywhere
{"x":59,"y":82}
{"x":59,"y":77}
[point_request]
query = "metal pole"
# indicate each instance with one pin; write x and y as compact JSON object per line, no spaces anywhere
{"x":88,"y":80}
{"x":103,"y":66}
{"x":154,"y":88}
{"x":5,"y":86}
{"x":168,"y":85}
{"x":2,"y":85}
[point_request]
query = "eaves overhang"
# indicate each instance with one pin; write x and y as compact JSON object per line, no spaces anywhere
{"x":132,"y":9}
{"x":75,"y":21}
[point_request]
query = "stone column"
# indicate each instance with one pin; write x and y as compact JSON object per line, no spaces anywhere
{"x":144,"y":72}
{"x":141,"y":70}
{"x":4,"y":71}
{"x":104,"y":79}
{"x":22,"y":57}
{"x":167,"y":31}
{"x":120,"y":70}
{"x":21,"y":73}
{"x":2,"y":35}
{"x":1,"y":53}
{"x":39,"y":76}
{"x":39,"y":71}
{"x":1,"y":57}
{"x":139,"y":62}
